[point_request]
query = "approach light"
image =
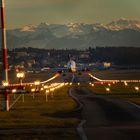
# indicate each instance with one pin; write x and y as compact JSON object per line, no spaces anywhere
{"x":92,"y":85}
{"x":137,"y":88}
{"x":52,"y":89}
{"x":42,"y":89}
{"x":70,"y":84}
{"x":20,"y":75}
{"x":37,"y":83}
{"x":32,"y":90}
{"x":5,"y":83}
{"x":109,"y":85}
{"x":45,"y":86}
{"x":107,"y":89}
{"x":125,"y":83}
{"x":47,"y":91}
{"x":14,"y":90}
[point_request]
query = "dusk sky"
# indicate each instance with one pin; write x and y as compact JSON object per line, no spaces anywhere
{"x":23,"y":12}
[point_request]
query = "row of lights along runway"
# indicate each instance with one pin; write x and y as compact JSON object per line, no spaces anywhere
{"x":37,"y":87}
{"x":25,"y":88}
{"x":107,"y":86}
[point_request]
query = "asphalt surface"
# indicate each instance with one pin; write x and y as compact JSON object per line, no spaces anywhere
{"x":107,"y":118}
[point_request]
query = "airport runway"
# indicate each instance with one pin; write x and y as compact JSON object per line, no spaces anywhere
{"x":106,"y":118}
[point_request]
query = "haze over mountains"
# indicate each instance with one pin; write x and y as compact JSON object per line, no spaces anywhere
{"x":122,"y":32}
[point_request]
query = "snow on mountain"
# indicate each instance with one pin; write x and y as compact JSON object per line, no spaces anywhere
{"x":28,"y":28}
{"x":79,"y":28}
{"x":122,"y":32}
{"x":124,"y":24}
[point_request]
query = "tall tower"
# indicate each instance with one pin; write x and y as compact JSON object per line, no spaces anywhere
{"x":4,"y":49}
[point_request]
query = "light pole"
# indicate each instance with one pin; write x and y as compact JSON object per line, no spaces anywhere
{"x":36,"y":83}
{"x":6,"y":103}
{"x":20,"y":76}
{"x":4,"y":50}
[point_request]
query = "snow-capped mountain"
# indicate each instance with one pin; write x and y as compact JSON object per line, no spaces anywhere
{"x":28,"y":28}
{"x":124,"y":24}
{"x":122,"y":32}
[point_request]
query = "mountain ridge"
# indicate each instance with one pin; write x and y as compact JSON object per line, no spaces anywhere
{"x":122,"y":32}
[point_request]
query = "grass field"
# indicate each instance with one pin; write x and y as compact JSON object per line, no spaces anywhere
{"x":42,"y":120}
{"x":118,"y":90}
{"x":118,"y":74}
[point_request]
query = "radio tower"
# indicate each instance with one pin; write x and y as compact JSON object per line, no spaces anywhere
{"x":4,"y":50}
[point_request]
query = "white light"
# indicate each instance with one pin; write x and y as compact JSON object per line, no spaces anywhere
{"x":52,"y":89}
{"x":125,"y":83}
{"x":109,"y":85}
{"x":20,"y":75}
{"x":107,"y":89}
{"x":42,"y":89}
{"x":47,"y":91}
{"x":92,"y":85}
{"x":5,"y":84}
{"x":137,"y":88}
{"x":32,"y":90}
{"x":14,"y":90}
{"x":70,"y":84}
{"x":45,"y":87}
{"x":37,"y":83}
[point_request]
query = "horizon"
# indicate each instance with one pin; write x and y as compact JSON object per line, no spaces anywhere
{"x":122,"y":18}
